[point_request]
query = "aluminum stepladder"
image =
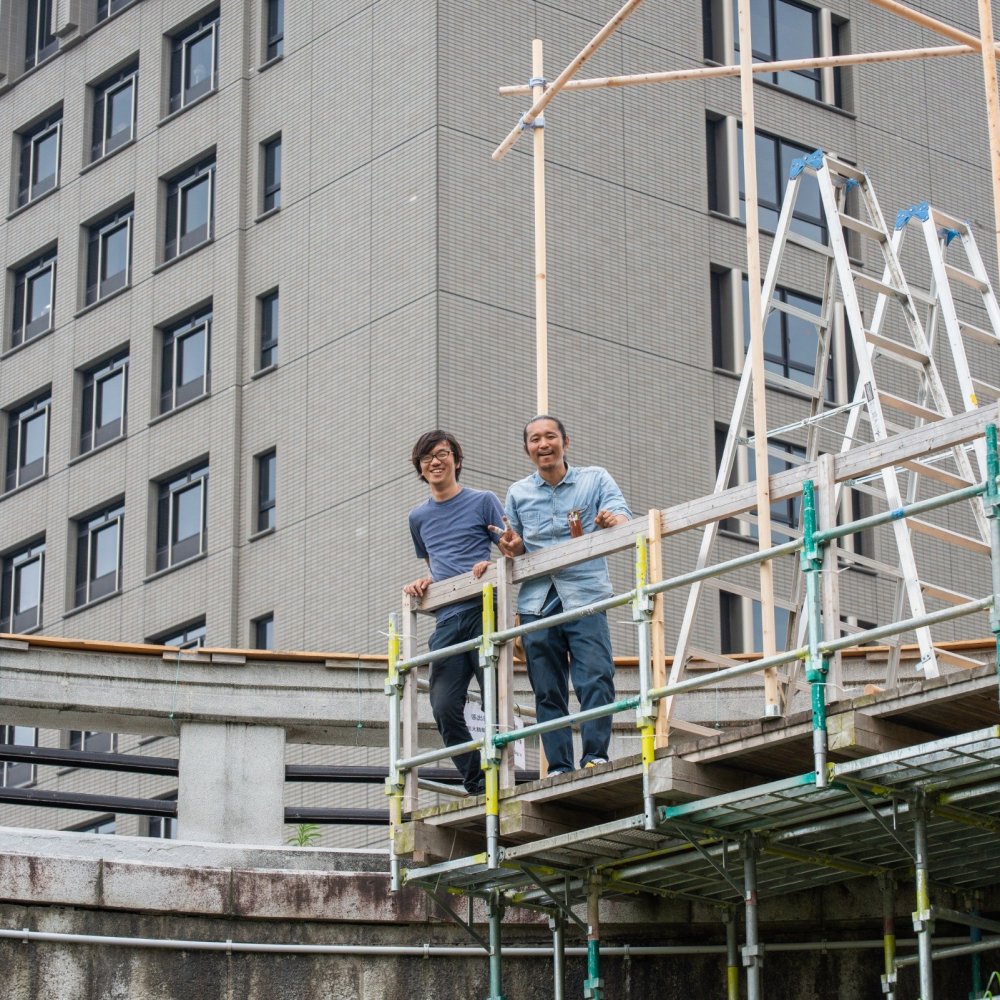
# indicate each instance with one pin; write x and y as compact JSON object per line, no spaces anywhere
{"x":871,"y":343}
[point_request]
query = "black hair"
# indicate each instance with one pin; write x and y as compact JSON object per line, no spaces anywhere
{"x":425,"y":445}
{"x":544,"y":416}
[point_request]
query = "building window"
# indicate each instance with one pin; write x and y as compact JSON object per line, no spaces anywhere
{"x":99,"y":554}
{"x":269,"y":323}
{"x":271,"y":156}
{"x":190,"y":637}
{"x":774,"y":164}
{"x":181,"y":522}
{"x":38,"y":171}
{"x":40,"y":39}
{"x":105,"y":8}
{"x":263,"y":632}
{"x":34,"y":299}
{"x":275,"y":43}
{"x":23,"y":577}
{"x":740,"y":625}
{"x":114,"y":111}
{"x":27,"y":442}
{"x":184,"y":361}
{"x":163,"y":827}
{"x":14,"y":774}
{"x":105,"y":391}
{"x":91,"y":742}
{"x":109,"y":255}
{"x":267,"y":472}
{"x":190,"y":209}
{"x":782,"y":30}
{"x":791,"y":341}
{"x":194,"y":58}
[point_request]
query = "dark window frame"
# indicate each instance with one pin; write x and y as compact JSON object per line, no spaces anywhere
{"x":171,"y":552}
{"x":179,"y":236}
{"x":17,"y":472}
{"x":102,"y":141}
{"x":181,"y":93}
{"x":22,"y":327}
{"x":91,"y":741}
{"x":15,"y":774}
{"x":99,"y":233}
{"x":191,"y":636}
{"x":31,"y":138}
{"x":274,"y":29}
{"x":106,"y":8}
{"x":14,"y":564}
{"x":173,"y":344}
{"x":269,"y":310}
{"x":266,"y":495}
{"x":271,"y":163}
{"x":263,"y":631}
{"x":87,"y":586}
{"x":769,"y":53}
{"x":40,"y":41}
{"x":92,"y":434}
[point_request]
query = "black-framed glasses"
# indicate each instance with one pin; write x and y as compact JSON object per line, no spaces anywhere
{"x":441,"y":455}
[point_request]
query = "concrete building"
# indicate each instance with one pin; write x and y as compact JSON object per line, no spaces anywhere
{"x":250,"y":253}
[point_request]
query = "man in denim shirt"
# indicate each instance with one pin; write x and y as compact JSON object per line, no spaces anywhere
{"x":538,"y":514}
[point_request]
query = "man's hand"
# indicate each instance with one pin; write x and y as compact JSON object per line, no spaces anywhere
{"x":606,"y":519}
{"x":510,"y":542}
{"x":418,"y":587}
{"x":480,"y":568}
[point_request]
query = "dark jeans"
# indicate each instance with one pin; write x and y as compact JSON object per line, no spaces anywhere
{"x":581,"y":650}
{"x":450,"y":679}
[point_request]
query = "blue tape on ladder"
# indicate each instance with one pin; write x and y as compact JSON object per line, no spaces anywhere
{"x":948,"y":235}
{"x":850,"y":183}
{"x":796,"y":168}
{"x":815,"y":159}
{"x":921,"y":212}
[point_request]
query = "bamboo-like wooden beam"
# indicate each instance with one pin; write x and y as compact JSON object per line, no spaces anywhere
{"x":541,"y":267}
{"x":560,"y":81}
{"x":771,"y":696}
{"x":781,"y":66}
{"x":928,"y":22}
{"x":992,"y":110}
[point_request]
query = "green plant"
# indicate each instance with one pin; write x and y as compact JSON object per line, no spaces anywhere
{"x":306,"y":834}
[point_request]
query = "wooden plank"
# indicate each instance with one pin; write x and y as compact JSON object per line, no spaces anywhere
{"x":425,"y":844}
{"x":679,"y":780}
{"x":947,"y":535}
{"x":857,"y":734}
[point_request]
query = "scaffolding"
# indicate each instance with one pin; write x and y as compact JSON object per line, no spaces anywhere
{"x":910,"y":809}
{"x":841,"y":820}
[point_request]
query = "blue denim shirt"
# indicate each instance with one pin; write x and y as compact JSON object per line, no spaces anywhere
{"x":537,"y":512}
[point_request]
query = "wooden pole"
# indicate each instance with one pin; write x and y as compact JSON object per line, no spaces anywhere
{"x":992,"y":109}
{"x":540,"y":103}
{"x":658,"y":646}
{"x":931,"y":23}
{"x":771,"y":700}
{"x":783,"y":65}
{"x":541,"y":286}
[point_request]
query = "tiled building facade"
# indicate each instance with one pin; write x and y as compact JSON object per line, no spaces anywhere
{"x":251,"y":252}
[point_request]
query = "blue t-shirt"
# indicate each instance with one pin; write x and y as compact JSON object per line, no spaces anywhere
{"x":452,"y":536}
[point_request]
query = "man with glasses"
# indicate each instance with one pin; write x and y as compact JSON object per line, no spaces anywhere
{"x":451,"y":530}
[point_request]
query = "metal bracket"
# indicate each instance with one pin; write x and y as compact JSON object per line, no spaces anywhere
{"x":455,"y":918}
{"x":562,"y":907}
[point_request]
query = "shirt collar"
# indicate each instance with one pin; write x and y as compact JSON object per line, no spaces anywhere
{"x":570,"y":477}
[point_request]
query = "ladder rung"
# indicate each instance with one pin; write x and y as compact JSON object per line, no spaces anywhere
{"x":715,"y":659}
{"x":978,"y":333}
{"x":922,"y":296}
{"x":864,"y":228}
{"x":903,"y":351}
{"x":957,"y":274}
{"x":943,"y":594}
{"x":907,"y":406}
{"x":984,"y":389}
{"x":956,"y":482}
{"x":846,"y":170}
{"x":875,"y":285}
{"x":957,"y":660}
{"x":781,"y":382}
{"x":949,"y":221}
{"x":949,"y":536}
{"x":728,"y":587}
{"x":865,"y":562}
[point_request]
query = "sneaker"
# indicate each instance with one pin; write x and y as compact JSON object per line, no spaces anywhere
{"x":594,"y":761}
{"x":559,"y":770}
